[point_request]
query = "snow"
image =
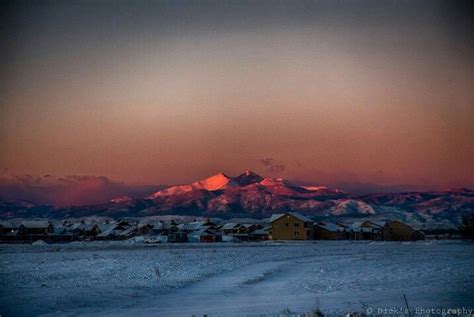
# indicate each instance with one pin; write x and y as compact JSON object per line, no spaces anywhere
{"x":314,"y":188}
{"x":39,"y":243}
{"x":294,"y":214}
{"x":216,"y":182}
{"x":34,"y":224}
{"x":219,"y":279}
{"x":121,"y":199}
{"x":351,"y":206}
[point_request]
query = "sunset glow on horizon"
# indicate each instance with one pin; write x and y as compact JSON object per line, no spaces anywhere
{"x":322,"y":92}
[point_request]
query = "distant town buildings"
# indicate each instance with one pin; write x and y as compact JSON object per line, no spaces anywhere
{"x":285,"y":226}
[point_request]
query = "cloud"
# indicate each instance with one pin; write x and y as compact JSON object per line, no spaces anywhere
{"x":69,"y":190}
{"x":271,"y":166}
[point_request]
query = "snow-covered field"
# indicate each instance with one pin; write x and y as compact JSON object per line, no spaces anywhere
{"x":124,"y":279}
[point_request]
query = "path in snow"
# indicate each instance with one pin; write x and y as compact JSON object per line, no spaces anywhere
{"x":340,"y":281}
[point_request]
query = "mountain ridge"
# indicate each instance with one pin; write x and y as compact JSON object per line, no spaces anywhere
{"x":251,"y":195}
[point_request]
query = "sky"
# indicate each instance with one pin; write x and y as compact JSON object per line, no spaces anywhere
{"x":167,"y":92}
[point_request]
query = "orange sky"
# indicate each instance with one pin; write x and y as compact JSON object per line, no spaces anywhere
{"x":326,"y":94}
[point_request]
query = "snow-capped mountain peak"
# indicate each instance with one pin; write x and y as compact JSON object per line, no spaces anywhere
{"x":215,"y":182}
{"x":218,"y":181}
{"x":247,"y":178}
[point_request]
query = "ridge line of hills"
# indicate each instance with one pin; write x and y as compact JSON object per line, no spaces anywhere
{"x":251,"y":195}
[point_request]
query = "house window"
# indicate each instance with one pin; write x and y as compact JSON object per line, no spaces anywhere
{"x":286,"y":224}
{"x":297,"y":224}
{"x":297,"y":233}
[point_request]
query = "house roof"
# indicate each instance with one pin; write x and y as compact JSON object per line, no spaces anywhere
{"x":388,"y":223}
{"x":195,"y":225}
{"x":294,"y":214}
{"x":60,"y":230}
{"x":128,"y":232}
{"x":263,"y":231}
{"x":110,"y":232}
{"x":355,"y":227}
{"x":104,"y":226}
{"x":249,"y":225}
{"x":157,"y":225}
{"x":332,"y":227}
{"x":34,"y":224}
{"x":201,"y":232}
{"x":7,"y":224}
{"x":229,"y":225}
{"x":81,"y":226}
{"x":376,"y":224}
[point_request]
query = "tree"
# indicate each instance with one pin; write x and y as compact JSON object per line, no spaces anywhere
{"x":467,"y":226}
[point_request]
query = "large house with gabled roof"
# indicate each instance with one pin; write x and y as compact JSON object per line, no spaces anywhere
{"x":291,"y":226}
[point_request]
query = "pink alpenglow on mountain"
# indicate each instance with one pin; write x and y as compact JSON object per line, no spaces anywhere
{"x":216,"y":182}
{"x":251,"y":195}
{"x":221,"y":182}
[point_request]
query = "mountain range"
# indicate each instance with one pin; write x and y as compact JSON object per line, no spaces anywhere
{"x":251,"y":195}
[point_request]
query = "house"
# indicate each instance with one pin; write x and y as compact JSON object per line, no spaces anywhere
{"x":291,"y":226}
{"x":6,"y":227}
{"x":372,"y":230}
{"x":242,"y":231}
{"x":355,"y":231}
{"x":230,"y":227}
{"x":104,"y":226}
{"x":328,"y":231}
{"x":34,"y":227}
{"x":372,"y":224}
{"x":125,"y":223}
{"x":417,"y":235}
{"x":157,"y":228}
{"x":172,"y":231}
{"x":177,"y":236}
{"x":60,"y":234}
{"x":128,"y":233}
{"x":112,"y":232}
{"x":204,"y":235}
{"x":144,"y":229}
{"x":251,"y":227}
{"x":210,"y":224}
{"x":84,"y":229}
{"x":397,"y":231}
{"x":8,"y":231}
{"x":260,"y":234}
{"x":195,"y":225}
